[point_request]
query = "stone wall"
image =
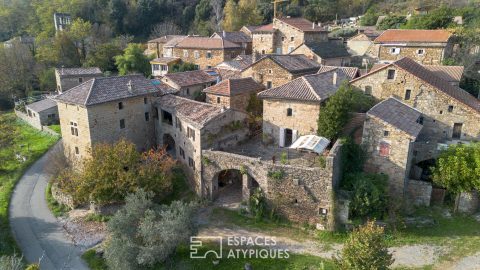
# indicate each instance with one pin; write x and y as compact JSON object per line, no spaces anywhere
{"x":433,"y":55}
{"x":217,"y":56}
{"x":359,"y":45}
{"x":468,"y":202}
{"x":266,"y":70}
{"x":438,"y":120}
{"x":262,"y":42}
{"x":70,"y":113}
{"x":33,"y":121}
{"x":302,"y":194}
{"x":238,"y":102}
{"x":67,"y":82}
{"x":63,"y":198}
{"x":419,"y":192}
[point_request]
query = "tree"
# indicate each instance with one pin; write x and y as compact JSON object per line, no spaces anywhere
{"x":230,"y":21}
{"x":132,"y":61}
{"x":391,"y":22}
{"x":144,"y":233}
{"x":458,"y":168}
{"x":370,"y":17}
{"x":183,"y":66}
{"x":320,"y":10}
{"x":365,"y":249}
{"x":165,"y":28}
{"x":438,"y":18}
{"x":202,"y":24}
{"x":103,"y":56}
{"x":78,"y":32}
{"x":238,"y":15}
{"x":369,"y":195}
{"x":217,"y":9}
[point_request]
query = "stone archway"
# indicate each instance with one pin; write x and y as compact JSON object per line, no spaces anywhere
{"x":231,"y":187}
{"x":169,"y":144}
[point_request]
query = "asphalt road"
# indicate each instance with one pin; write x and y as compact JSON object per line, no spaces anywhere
{"x":36,"y":230}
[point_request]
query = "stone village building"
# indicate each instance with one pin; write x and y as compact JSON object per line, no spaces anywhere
{"x":325,"y":53}
{"x":189,"y":83}
{"x":233,"y":93}
{"x":40,"y":113}
{"x":70,"y":77}
{"x":155,"y":46}
{"x":362,"y":44}
{"x":292,"y":109}
{"x":429,"y":47}
{"x":274,"y":70}
{"x":162,"y":65}
{"x":242,"y":38}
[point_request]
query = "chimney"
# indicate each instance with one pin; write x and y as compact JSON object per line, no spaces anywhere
{"x":313,"y":25}
{"x":254,"y":56}
{"x":319,"y":24}
{"x":223,"y":33}
{"x":335,"y":78}
{"x":130,"y":86}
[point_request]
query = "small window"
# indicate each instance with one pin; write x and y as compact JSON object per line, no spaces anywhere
{"x":187,"y":91}
{"x":182,"y":152}
{"x":196,"y":54}
{"x":178,"y":124}
{"x":270,"y":71}
{"x":122,"y":123}
{"x":292,"y":38}
{"x":263,"y":51}
{"x":77,"y":151}
{"x":385,"y":133}
{"x":420,"y":51}
{"x":145,"y":100}
{"x":120,"y":105}
{"x":408,"y":92}
{"x":395,"y":50}
{"x":283,"y":38}
{"x":147,"y":116}
{"x":209,"y":54}
{"x":384,"y":149}
{"x":391,"y":74}
{"x":441,"y":112}
{"x":209,"y":67}
{"x":80,"y":80}
{"x":167,"y":118}
{"x":185,"y":53}
{"x":289,"y":112}
{"x":191,"y":162}
{"x":269,"y":84}
{"x":218,"y":99}
{"x":191,"y":133}
{"x":368,"y":90}
{"x":74,"y":128}
{"x":450,"y":108}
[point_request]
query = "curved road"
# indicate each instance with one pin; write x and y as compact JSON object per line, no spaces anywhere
{"x":37,"y":231}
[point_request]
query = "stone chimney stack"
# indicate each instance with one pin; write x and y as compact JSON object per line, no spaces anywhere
{"x":335,"y":78}
{"x":130,"y":86}
{"x":313,"y":25}
{"x":254,"y":56}
{"x":224,"y":34}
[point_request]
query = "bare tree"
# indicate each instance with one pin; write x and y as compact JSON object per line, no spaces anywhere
{"x":165,"y":28}
{"x":217,"y":7}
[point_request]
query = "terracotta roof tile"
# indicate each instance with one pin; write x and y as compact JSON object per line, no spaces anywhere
{"x":264,"y":28}
{"x":232,"y":87}
{"x":293,"y":63}
{"x":303,"y":24}
{"x":165,"y":39}
{"x":235,"y":37}
{"x":206,"y":43}
{"x":64,"y":72}
{"x":351,"y":72}
{"x":190,"y":78}
{"x":404,"y":35}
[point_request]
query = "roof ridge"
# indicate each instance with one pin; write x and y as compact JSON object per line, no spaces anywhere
{"x":310,"y":87}
{"x":89,"y":92}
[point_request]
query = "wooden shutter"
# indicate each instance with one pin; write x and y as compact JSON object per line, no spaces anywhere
{"x":281,"y":142}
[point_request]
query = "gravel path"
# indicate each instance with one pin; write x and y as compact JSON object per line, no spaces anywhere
{"x":36,"y":230}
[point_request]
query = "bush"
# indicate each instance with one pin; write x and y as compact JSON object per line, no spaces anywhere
{"x":370,"y":17}
{"x":353,"y":158}
{"x":277,"y":175}
{"x":144,"y":233}
{"x":182,"y":67}
{"x":391,"y":22}
{"x":11,"y":263}
{"x":365,"y":249}
{"x":369,"y":195}
{"x":258,"y":204}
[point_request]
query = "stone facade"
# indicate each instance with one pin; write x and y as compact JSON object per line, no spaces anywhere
{"x":423,"y":53}
{"x":102,"y":123}
{"x":189,"y":91}
{"x":441,"y":112}
{"x":39,"y":119}
{"x":302,"y":122}
{"x":206,"y":58}
{"x":263,"y":42}
{"x":419,"y":192}
{"x":359,"y":44}
{"x":238,"y":102}
{"x":303,"y":194}
{"x":337,"y":61}
{"x":67,"y":82}
{"x":395,"y":162}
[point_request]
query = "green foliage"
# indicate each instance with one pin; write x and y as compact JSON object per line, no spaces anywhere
{"x":258,"y":204}
{"x":33,"y":266}
{"x":94,"y":261}
{"x":11,"y":263}
{"x":458,"y":168}
{"x":369,"y":195}
{"x":284,"y":158}
{"x":254,"y":105}
{"x":144,"y":233}
{"x":133,"y":61}
{"x":391,"y":22}
{"x":206,"y":161}
{"x":276,"y":175}
{"x":370,"y":17}
{"x":353,"y":157}
{"x":365,"y":249}
{"x":182,"y":67}
{"x":55,"y":207}
{"x":438,"y":18}
{"x":103,"y":56}
{"x":343,"y":32}
{"x":320,"y":10}
{"x":322,"y":161}
{"x":238,"y":15}
{"x":243,"y":170}
{"x":46,"y":79}
{"x":97,"y":217}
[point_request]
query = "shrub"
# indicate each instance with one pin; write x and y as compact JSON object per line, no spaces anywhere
{"x":284,"y":158}
{"x":144,"y":233}
{"x":258,"y":204}
{"x":365,"y":249}
{"x":182,"y":67}
{"x":11,"y":263}
{"x":353,"y":157}
{"x":277,"y":175}
{"x":370,"y":17}
{"x":391,"y":22}
{"x":369,"y":195}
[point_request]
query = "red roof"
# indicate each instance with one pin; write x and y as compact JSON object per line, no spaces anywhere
{"x":303,"y":24}
{"x":404,"y":35}
{"x":206,"y":43}
{"x":264,"y":28}
{"x":232,"y":87}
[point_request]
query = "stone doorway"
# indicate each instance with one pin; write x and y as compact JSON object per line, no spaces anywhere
{"x":231,"y":188}
{"x":169,"y":144}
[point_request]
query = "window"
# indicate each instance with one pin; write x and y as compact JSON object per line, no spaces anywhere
{"x":457,"y":131}
{"x":29,"y":113}
{"x":420,"y":120}
{"x":450,"y":108}
{"x":167,"y":117}
{"x":147,"y":116}
{"x":51,"y":116}
{"x":395,"y":50}
{"x":292,"y":38}
{"x":191,"y":162}
{"x":145,"y":100}
{"x":182,"y":152}
{"x":120,"y":105}
{"x":385,"y":133}
{"x":263,"y":51}
{"x":163,"y":67}
{"x":408,"y":92}
{"x":80,"y":80}
{"x":155,"y":67}
{"x":218,"y":99}
{"x":384,"y":149}
{"x":441,"y":112}
{"x":197,"y":67}
{"x":185,"y":53}
{"x":391,"y":74}
{"x":270,"y":71}
{"x":74,"y":128}
{"x":77,"y":151}
{"x":122,"y":123}
{"x":187,"y":91}
{"x":209,"y":54}
{"x":290,"y":49}
{"x":269,"y":84}
{"x":368,"y":90}
{"x":191,"y":133}
{"x":283,"y":38}
{"x":420,"y":51}
{"x":289,"y":112}
{"x":196,"y":54}
{"x":178,"y":124}
{"x":209,"y":67}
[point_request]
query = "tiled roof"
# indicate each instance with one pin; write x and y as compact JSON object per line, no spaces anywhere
{"x":239,"y":63}
{"x":235,"y":37}
{"x":328,"y":50}
{"x":226,"y":74}
{"x":351,"y":72}
{"x":101,"y":90}
{"x":303,"y":24}
{"x":165,"y":60}
{"x":264,"y":28}
{"x":434,"y":80}
{"x":42,"y":105}
{"x":189,"y":78}
{"x":199,"y":113}
{"x":449,"y":73}
{"x":78,"y":71}
{"x":398,"y":115}
{"x":251,"y":28}
{"x":173,"y":41}
{"x":314,"y":87}
{"x":166,"y":38}
{"x":206,"y":43}
{"x":414,"y":35}
{"x":233,"y":87}
{"x":293,"y":63}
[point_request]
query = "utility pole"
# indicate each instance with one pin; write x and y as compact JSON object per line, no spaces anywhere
{"x":275,"y":2}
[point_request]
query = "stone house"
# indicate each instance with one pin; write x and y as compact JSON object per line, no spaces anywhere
{"x":232,"y":69}
{"x":350,"y":72}
{"x":389,"y":132}
{"x":155,"y":46}
{"x":205,"y":52}
{"x":283,"y":35}
{"x":275,"y":70}
{"x":189,"y":83}
{"x":107,"y":110}
{"x":163,"y":65}
{"x":449,"y":112}
{"x":292,"y":109}
{"x":324,"y":53}
{"x":238,"y":37}
{"x":41,"y":113}
{"x":362,"y":44}
{"x":233,"y":93}
{"x":186,"y":127}
{"x":70,"y":77}
{"x":429,"y":47}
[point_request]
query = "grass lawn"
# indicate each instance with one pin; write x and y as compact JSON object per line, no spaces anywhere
{"x":30,"y":143}
{"x":55,"y":128}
